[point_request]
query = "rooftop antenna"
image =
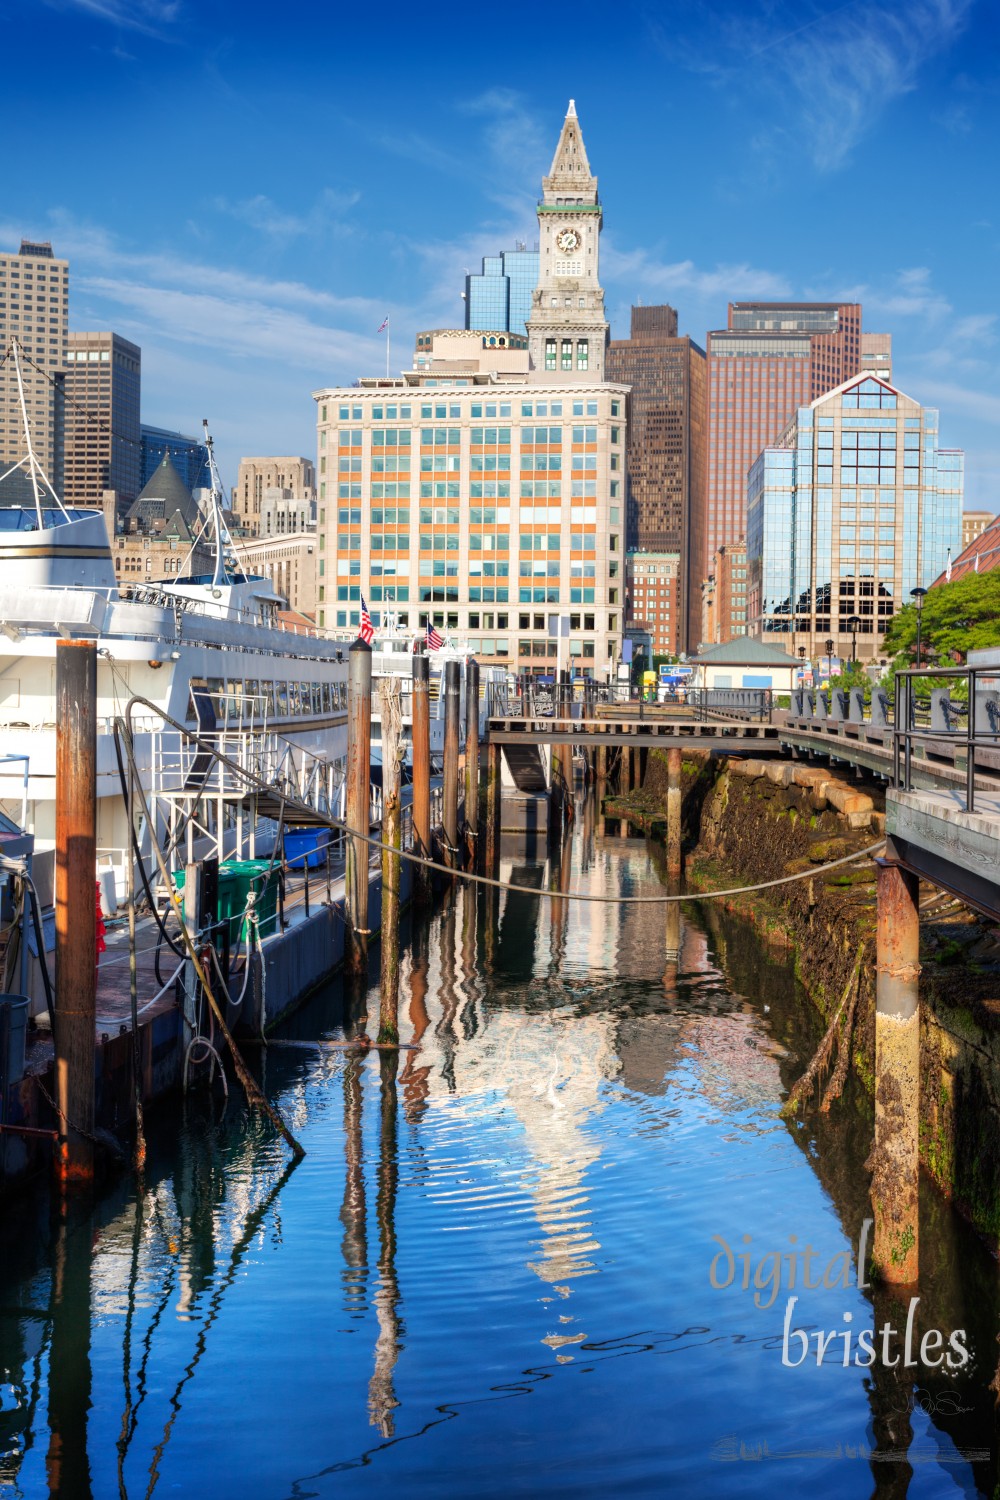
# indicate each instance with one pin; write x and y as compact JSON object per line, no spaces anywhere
{"x":35,"y":470}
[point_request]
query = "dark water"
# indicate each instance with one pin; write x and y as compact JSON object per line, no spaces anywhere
{"x":492,"y":1274}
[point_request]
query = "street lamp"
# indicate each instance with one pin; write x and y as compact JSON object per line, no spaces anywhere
{"x":852,"y":624}
{"x":918,"y":595}
{"x":829,"y":658}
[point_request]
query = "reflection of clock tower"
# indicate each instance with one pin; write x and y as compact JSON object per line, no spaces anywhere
{"x":567,"y":329}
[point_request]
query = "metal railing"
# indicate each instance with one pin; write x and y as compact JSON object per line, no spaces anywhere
{"x":753,"y":704}
{"x":945,"y":732}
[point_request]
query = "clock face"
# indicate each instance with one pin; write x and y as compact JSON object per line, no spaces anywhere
{"x":568,"y":239}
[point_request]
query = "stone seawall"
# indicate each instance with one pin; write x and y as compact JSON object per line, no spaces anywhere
{"x":748,"y":821}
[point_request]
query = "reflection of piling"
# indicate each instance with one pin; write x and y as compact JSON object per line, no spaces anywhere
{"x":895,"y":1158}
{"x":76,"y":906}
{"x":421,"y":775}
{"x":471,"y":759}
{"x":382,"y":1400}
{"x":67,"y":1464}
{"x":674,"y":812}
{"x":452,"y":708}
{"x":359,"y":736}
{"x":493,"y":793}
{"x":353,"y":1210}
{"x":388,"y":1019}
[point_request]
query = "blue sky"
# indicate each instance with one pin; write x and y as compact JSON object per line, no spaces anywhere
{"x":246,"y":191}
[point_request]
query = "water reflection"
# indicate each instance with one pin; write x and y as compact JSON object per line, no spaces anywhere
{"x":501,"y":1232}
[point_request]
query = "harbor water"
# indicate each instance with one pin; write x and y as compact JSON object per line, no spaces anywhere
{"x":565,"y":1243}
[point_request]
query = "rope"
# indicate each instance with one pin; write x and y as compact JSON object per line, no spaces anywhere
{"x":488,"y":880}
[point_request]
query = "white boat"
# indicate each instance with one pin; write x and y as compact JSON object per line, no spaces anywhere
{"x":208,"y":651}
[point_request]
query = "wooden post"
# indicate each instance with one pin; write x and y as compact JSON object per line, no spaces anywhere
{"x":74,"y":1023}
{"x":421,"y":776}
{"x":359,"y":740}
{"x":897,"y":1074}
{"x":493,"y":796}
{"x":674,"y":813}
{"x":471,"y":759}
{"x":392,"y":723}
{"x":452,"y":707}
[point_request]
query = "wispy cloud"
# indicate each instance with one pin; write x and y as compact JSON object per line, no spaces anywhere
{"x":641,"y":271}
{"x":262,"y":214}
{"x":153,"y":17}
{"x":821,"y":79}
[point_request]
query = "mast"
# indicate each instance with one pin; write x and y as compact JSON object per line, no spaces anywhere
{"x":35,"y":470}
{"x":220,"y":531}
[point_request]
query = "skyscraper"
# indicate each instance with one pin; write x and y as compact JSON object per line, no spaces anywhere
{"x":483,"y":491}
{"x":101,"y":418}
{"x":773,"y":358}
{"x":853,"y":507}
{"x":499,"y":298}
{"x":188,"y":455}
{"x":291,"y":477}
{"x":34,"y":308}
{"x":666,"y":447}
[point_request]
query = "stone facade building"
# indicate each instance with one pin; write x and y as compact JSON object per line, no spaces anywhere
{"x":257,"y":475}
{"x":34,"y":308}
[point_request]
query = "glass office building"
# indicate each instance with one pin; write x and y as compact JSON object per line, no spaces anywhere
{"x":499,"y":299}
{"x":855,"y":505}
{"x":188,"y":455}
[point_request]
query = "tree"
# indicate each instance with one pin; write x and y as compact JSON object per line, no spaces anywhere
{"x":956,"y":618}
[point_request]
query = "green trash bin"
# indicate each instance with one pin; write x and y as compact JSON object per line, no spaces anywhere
{"x":237,"y":877}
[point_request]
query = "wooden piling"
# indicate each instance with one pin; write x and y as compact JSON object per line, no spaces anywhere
{"x":74,"y":1023}
{"x":421,"y":776}
{"x":452,"y":709}
{"x":493,"y":796}
{"x":471,"y":760}
{"x":392,"y":835}
{"x":895,"y":1159}
{"x":674,"y":813}
{"x":359,"y":738}
{"x":70,"y":1376}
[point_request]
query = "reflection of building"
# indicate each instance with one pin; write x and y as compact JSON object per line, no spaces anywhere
{"x":500,"y":296}
{"x":34,"y":308}
{"x":856,"y":505}
{"x":666,"y":452}
{"x":101,"y":421}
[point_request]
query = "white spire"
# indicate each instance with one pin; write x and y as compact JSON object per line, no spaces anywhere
{"x":572,"y":109}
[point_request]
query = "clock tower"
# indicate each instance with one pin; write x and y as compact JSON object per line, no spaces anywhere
{"x":567,"y":329}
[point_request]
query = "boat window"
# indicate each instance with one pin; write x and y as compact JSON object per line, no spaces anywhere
{"x":293,"y":699}
{"x":327,"y":700}
{"x":317,"y":697}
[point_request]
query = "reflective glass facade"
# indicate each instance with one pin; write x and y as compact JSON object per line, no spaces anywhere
{"x":500,"y":297}
{"x":854,"y":507}
{"x":188,"y":456}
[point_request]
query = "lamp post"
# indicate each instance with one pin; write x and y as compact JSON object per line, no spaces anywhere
{"x":852,"y":624}
{"x":918,"y":595}
{"x":829,"y":658}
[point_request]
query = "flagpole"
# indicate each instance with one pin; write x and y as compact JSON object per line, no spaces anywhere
{"x":387,"y":348}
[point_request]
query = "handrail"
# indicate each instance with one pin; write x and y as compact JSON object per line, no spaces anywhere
{"x":982,"y":721}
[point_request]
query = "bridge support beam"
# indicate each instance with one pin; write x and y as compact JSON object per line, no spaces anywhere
{"x":673,"y":813}
{"x":895,"y":1159}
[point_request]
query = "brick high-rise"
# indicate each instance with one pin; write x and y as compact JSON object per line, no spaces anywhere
{"x":101,"y":448}
{"x":773,"y":358}
{"x":666,"y":452}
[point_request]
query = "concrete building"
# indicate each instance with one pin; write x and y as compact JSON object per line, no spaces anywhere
{"x":34,"y":308}
{"x":709,"y":611}
{"x":289,"y":561}
{"x":725,"y":593}
{"x":101,"y":437}
{"x":499,"y":298}
{"x":974,"y":523}
{"x":483,"y":490}
{"x":876,"y":355}
{"x":855,"y":505}
{"x":666,"y":452}
{"x":188,"y":455}
{"x":283,"y":513}
{"x":653,"y":597}
{"x":771,"y":359}
{"x":256,"y":475}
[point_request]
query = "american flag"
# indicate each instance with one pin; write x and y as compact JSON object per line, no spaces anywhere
{"x":434,"y":639}
{"x":366,"y":632}
{"x":382,"y":326}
